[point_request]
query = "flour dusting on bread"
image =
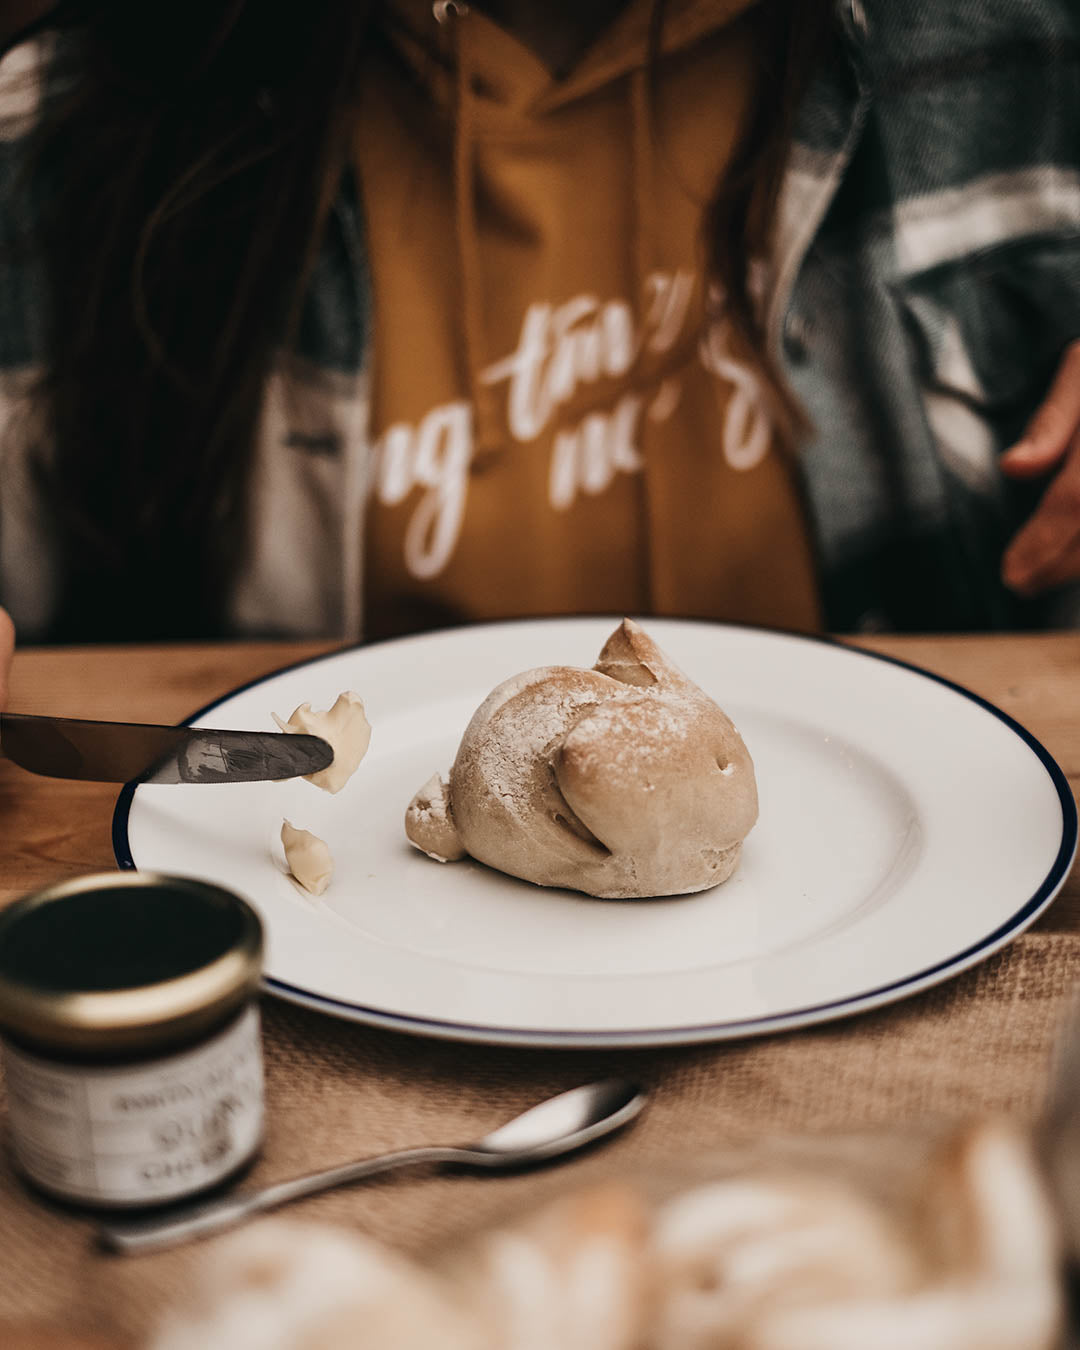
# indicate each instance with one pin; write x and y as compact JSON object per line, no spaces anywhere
{"x":429,"y":822}
{"x":623,"y":781}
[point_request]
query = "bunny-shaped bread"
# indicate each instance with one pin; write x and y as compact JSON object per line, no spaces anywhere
{"x":622,"y":781}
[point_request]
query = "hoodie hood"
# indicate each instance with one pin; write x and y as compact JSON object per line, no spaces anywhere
{"x":515,"y":77}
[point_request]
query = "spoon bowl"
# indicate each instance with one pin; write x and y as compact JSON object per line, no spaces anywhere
{"x":564,"y":1123}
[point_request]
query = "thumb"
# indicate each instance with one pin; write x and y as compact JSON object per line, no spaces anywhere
{"x":7,"y":650}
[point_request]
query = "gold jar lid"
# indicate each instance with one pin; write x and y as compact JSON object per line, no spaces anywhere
{"x":123,"y":962}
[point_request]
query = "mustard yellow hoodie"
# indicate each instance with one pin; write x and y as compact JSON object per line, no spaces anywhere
{"x":555,"y":427}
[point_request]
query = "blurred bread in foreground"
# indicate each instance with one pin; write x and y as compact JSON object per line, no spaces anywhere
{"x":775,"y":1257}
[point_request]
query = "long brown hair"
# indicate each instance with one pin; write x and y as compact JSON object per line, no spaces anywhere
{"x":791,"y":38}
{"x":181,"y":177}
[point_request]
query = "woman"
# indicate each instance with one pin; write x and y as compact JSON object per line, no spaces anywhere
{"x":390,"y":315}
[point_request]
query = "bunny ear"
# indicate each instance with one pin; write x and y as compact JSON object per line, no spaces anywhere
{"x":632,"y":657}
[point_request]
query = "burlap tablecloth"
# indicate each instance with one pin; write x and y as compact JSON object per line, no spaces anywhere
{"x":982,"y":1043}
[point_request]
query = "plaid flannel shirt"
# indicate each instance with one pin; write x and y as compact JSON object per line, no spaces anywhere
{"x":925,"y":283}
{"x":936,"y":186}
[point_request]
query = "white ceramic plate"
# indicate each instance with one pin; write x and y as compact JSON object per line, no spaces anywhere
{"x":908,"y":829}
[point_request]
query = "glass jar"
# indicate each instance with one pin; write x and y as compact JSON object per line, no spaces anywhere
{"x":130,"y":1034}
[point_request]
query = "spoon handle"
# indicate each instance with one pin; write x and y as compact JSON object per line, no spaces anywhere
{"x":132,"y":1236}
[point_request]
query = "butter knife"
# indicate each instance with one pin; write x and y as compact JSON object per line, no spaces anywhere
{"x":124,"y":752}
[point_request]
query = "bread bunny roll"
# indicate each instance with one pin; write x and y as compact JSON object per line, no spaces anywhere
{"x":623,"y":781}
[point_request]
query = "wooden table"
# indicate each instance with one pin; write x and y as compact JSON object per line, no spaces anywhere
{"x":385,"y":1088}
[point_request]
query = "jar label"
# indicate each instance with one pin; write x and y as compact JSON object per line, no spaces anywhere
{"x":143,"y":1133}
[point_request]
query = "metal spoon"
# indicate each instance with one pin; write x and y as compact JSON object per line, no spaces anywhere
{"x":550,"y":1129}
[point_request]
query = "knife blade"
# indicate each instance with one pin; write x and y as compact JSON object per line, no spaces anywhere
{"x":123,"y":752}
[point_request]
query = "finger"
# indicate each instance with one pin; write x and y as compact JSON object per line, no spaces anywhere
{"x":1053,"y":426}
{"x":1035,"y":555}
{"x":1064,"y":569}
{"x":7,"y":651}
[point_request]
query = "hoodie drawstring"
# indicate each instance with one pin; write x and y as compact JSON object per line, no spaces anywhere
{"x":486,"y":435}
{"x":643,"y":187}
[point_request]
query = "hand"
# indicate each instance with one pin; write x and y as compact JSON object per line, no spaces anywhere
{"x":1046,"y":551}
{"x":7,"y":651}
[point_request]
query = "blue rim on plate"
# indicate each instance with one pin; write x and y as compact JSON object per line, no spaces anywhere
{"x":791,"y":1019}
